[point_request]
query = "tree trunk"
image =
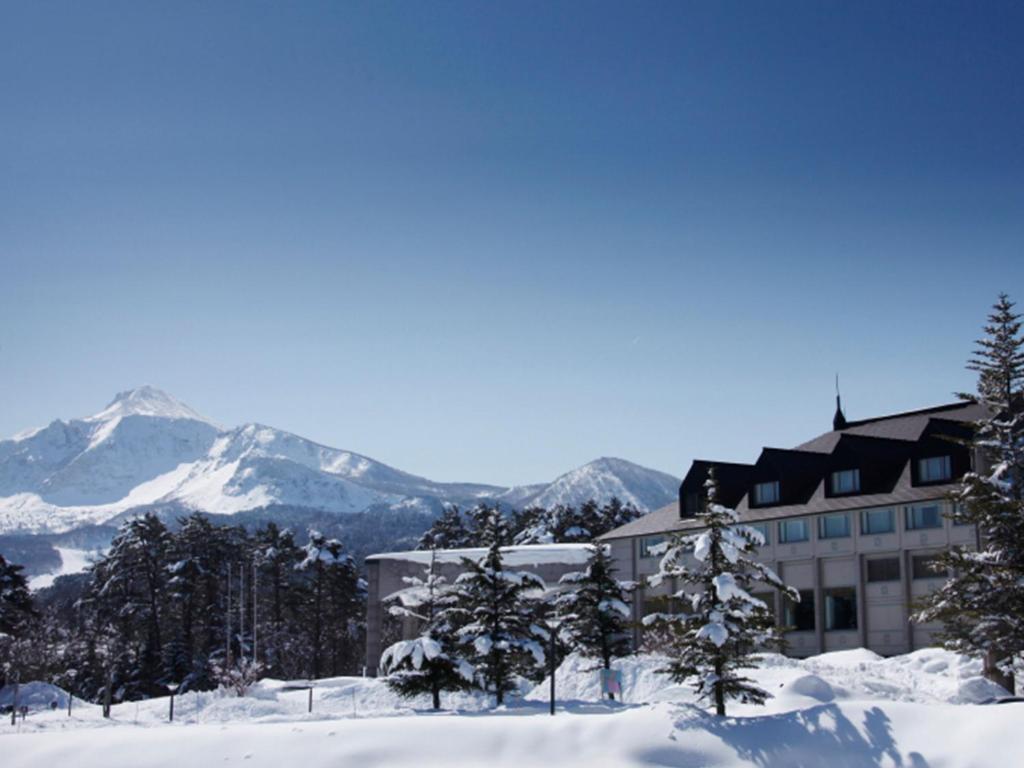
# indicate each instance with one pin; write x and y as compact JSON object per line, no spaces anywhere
{"x":437,"y":697}
{"x":608,"y":666}
{"x":993,"y":673}
{"x":719,"y":691}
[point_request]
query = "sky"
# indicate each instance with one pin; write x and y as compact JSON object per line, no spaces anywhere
{"x":494,"y":241}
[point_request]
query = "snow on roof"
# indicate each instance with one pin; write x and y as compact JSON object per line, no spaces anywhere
{"x":527,"y":554}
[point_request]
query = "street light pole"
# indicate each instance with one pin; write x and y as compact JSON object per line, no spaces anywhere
{"x":552,"y":654}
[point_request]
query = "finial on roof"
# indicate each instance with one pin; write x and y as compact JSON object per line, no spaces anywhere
{"x":838,"y":421}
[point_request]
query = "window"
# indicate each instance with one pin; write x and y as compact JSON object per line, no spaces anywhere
{"x":875,"y":521}
{"x":934,"y":469}
{"x":841,"y":608}
{"x":926,"y":567}
{"x":833,"y":526}
{"x":883,"y":569}
{"x":649,"y":543}
{"x":791,"y":531}
{"x":846,"y":481}
{"x":924,"y":516}
{"x":799,"y":616}
{"x":766,"y":493}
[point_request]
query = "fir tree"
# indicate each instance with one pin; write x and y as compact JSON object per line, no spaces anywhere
{"x":16,"y":616}
{"x":448,"y":531}
{"x":717,"y":637}
{"x":497,"y":631}
{"x":594,"y":614}
{"x":427,"y":663}
{"x":615,"y":514}
{"x":982,"y":604}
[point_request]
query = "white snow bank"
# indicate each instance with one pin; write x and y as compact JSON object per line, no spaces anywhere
{"x":36,"y":696}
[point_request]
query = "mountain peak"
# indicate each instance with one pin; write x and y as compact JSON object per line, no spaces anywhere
{"x":146,"y":401}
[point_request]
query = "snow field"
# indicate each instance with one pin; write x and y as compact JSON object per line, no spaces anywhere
{"x":850,"y":708}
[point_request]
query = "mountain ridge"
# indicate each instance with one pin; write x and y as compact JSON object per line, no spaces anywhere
{"x":146,"y":449}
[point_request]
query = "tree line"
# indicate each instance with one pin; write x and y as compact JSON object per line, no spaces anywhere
{"x":561,"y":524}
{"x":195,"y":607}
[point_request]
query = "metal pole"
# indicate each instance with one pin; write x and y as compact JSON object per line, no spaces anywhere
{"x":552,"y":670}
{"x":241,"y":611}
{"x":311,"y":699}
{"x":14,"y":705}
{"x":70,"y":699}
{"x":255,"y":575}
{"x":170,"y":717}
{"x":227,"y":623}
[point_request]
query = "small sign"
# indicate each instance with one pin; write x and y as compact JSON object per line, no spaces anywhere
{"x":611,"y":681}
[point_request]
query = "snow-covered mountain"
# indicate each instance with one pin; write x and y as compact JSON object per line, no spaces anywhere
{"x":646,"y":489}
{"x":146,"y":449}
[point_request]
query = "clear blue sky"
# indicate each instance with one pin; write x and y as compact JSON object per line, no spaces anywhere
{"x":490,"y":242}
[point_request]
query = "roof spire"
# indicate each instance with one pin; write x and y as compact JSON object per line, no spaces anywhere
{"x":838,"y":421}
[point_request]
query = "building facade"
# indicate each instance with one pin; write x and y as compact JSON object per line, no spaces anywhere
{"x":852,"y":519}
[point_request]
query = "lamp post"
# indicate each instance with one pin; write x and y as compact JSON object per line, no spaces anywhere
{"x":552,"y":624}
{"x":173,"y":688}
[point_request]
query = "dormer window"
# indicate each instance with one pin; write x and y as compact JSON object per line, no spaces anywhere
{"x":934,"y":469}
{"x":846,"y":481}
{"x":766,"y":493}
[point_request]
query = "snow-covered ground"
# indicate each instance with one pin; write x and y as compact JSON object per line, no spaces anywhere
{"x":842,"y":709}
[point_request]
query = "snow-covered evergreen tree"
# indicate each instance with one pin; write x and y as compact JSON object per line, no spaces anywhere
{"x":982,"y":604}
{"x":593,"y":610}
{"x":722,"y":624}
{"x":498,"y":634}
{"x":429,"y":662}
{"x":449,"y":531}
{"x":16,"y":614}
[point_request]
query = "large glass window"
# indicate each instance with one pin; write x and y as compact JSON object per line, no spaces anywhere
{"x":833,"y":526}
{"x":934,"y":469}
{"x":649,"y":543}
{"x":883,"y":569}
{"x":846,"y":481}
{"x":799,"y":616}
{"x":766,"y":493}
{"x":791,"y":531}
{"x":841,"y":608}
{"x":924,"y":516}
{"x":926,"y":567}
{"x":875,"y":521}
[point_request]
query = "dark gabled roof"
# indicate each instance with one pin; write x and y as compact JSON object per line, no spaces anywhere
{"x":887,"y":442}
{"x":909,"y":425}
{"x":733,"y":480}
{"x":798,"y":472}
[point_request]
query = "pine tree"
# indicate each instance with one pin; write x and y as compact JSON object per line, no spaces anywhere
{"x":615,"y":514}
{"x":594,"y":614}
{"x":428,"y":663}
{"x":448,"y":531}
{"x":982,"y":604}
{"x":498,"y":634}
{"x":129,"y":586}
{"x":488,"y":526}
{"x":718,"y":636}
{"x":276,"y":555}
{"x":16,"y":615}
